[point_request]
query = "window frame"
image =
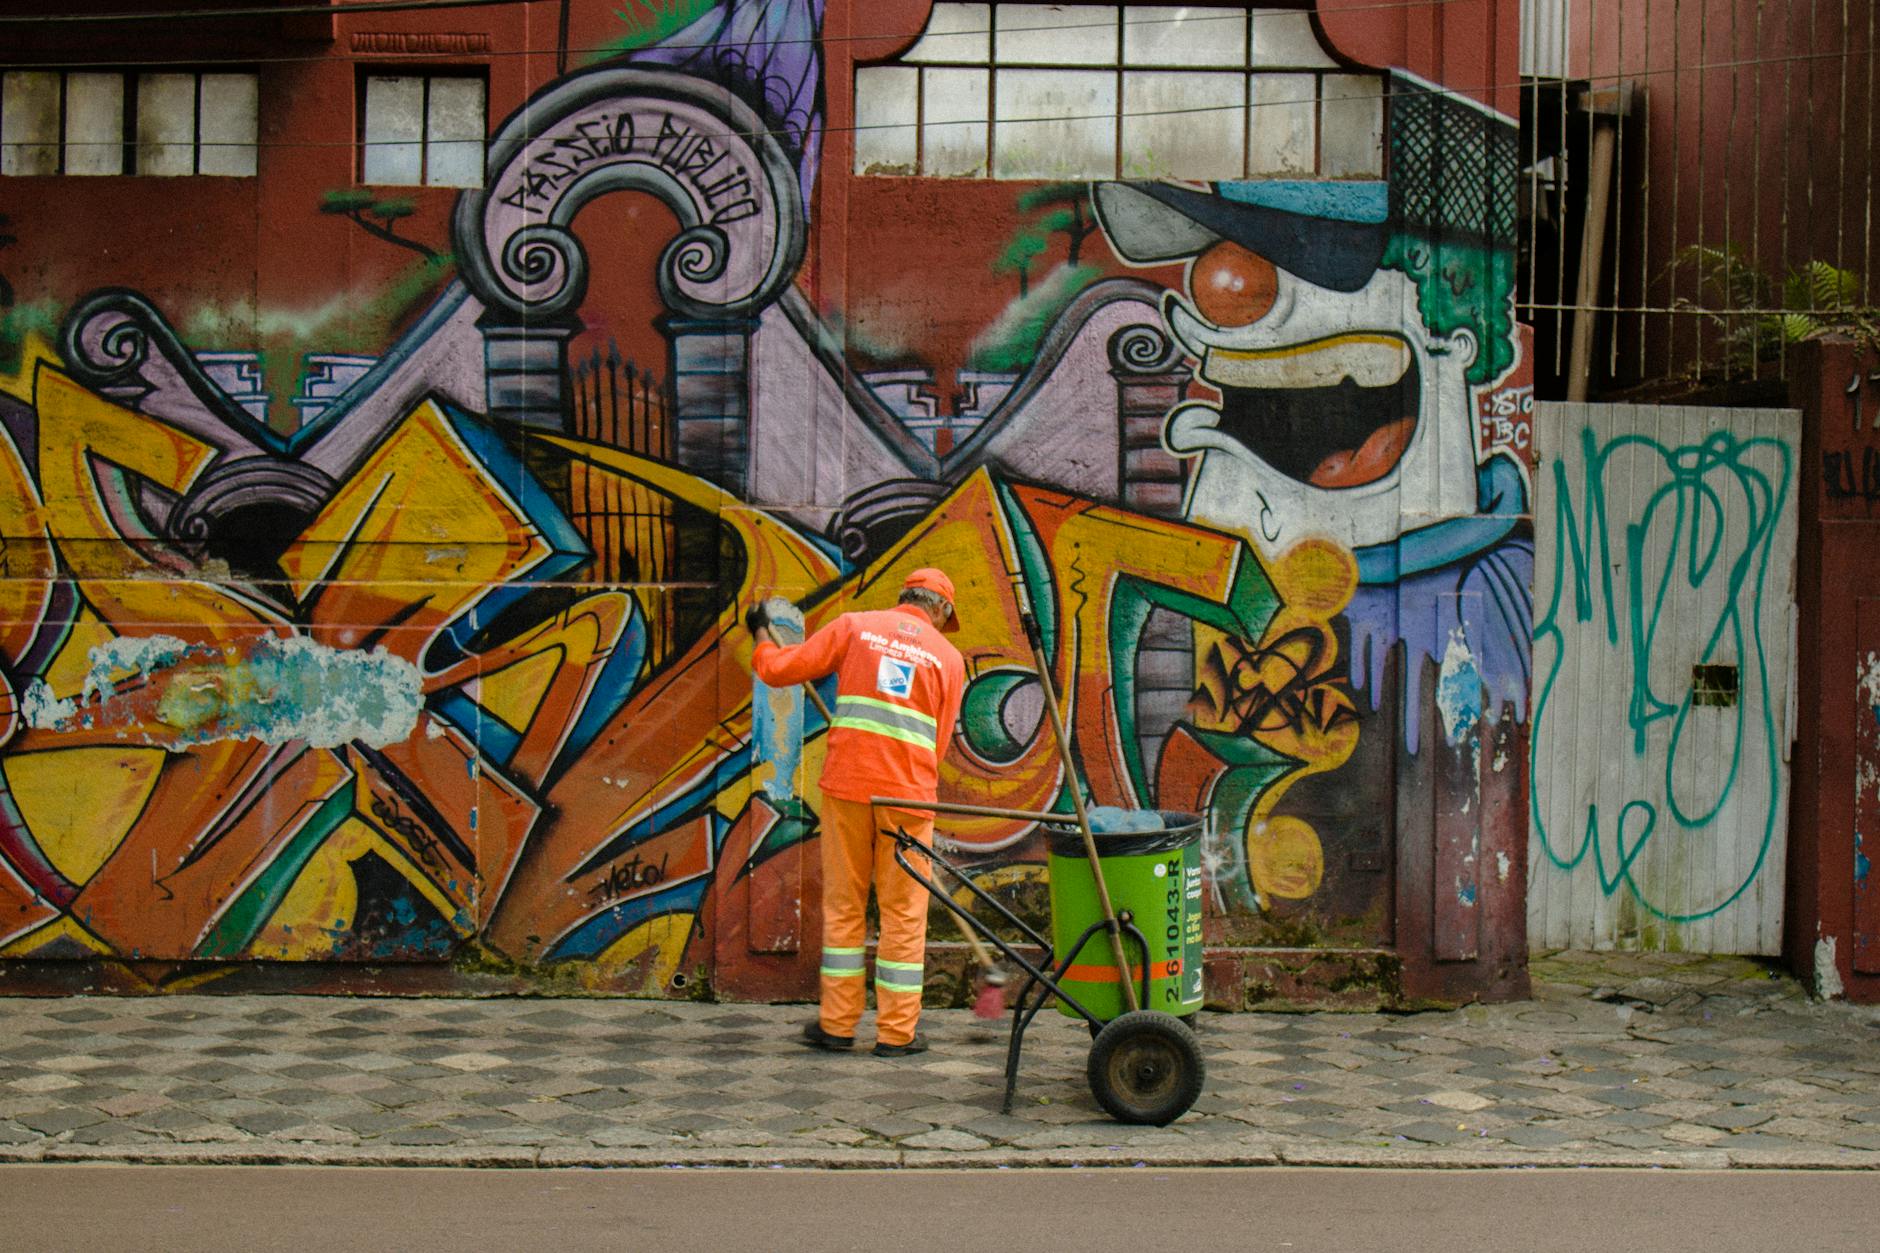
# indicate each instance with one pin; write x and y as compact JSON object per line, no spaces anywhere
{"x":130,"y":81}
{"x":426,"y":74}
{"x":1250,"y":68}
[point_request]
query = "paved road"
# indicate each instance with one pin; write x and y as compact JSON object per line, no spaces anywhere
{"x":207,"y":1209}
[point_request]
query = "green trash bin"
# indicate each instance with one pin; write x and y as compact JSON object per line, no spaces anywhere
{"x":1154,"y":875}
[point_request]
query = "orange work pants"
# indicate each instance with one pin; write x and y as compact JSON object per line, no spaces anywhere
{"x":854,"y":852}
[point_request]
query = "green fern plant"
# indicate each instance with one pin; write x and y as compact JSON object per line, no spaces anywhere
{"x":1815,"y":299}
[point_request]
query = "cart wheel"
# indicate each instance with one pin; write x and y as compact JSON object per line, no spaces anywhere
{"x":1146,"y":1067}
{"x":1190,"y":1021}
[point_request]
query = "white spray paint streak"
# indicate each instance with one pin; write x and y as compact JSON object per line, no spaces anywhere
{"x":275,"y":691}
{"x":109,"y":659}
{"x":1458,"y":688}
{"x":1866,"y":775}
{"x":1870,"y":679}
{"x":140,"y":653}
{"x":371,"y":696}
{"x":1827,"y":978}
{"x":1501,"y":867}
{"x":42,"y":709}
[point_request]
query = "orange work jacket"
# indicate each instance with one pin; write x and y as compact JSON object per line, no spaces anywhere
{"x":898,"y":684}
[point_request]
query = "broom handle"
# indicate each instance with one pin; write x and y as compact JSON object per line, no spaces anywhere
{"x":981,"y":953}
{"x":1123,"y":975}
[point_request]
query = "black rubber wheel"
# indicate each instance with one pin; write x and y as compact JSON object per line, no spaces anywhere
{"x":1190,"y":1021}
{"x":1146,"y":1067}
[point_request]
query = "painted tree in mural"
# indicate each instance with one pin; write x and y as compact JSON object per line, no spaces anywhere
{"x":1020,"y":251}
{"x":17,"y":319}
{"x":651,"y":22}
{"x":1011,"y":342}
{"x":376,"y":216}
{"x":1069,"y":215}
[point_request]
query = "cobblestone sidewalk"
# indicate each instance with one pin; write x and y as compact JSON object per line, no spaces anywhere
{"x":1618,"y":1060}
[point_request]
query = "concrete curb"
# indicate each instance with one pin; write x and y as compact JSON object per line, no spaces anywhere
{"x":263,"y":1154}
{"x":1498,"y":1159}
{"x":1161,"y":1157}
{"x":783,"y":1155}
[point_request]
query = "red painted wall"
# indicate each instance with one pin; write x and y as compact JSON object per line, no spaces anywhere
{"x":286,"y":261}
{"x":257,"y":251}
{"x":1835,"y":821}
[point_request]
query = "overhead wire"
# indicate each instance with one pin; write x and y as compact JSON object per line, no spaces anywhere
{"x":1121,"y":20}
{"x":615,"y":48}
{"x":1473,"y":92}
{"x":174,"y":15}
{"x":458,"y":57}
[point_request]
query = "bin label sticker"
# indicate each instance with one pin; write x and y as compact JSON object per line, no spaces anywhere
{"x":1191,"y":947}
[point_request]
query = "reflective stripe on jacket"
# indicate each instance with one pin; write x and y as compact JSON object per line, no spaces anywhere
{"x":898,"y":685}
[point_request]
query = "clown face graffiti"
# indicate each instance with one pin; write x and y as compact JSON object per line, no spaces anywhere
{"x":1346,"y":326}
{"x":1342,"y":414}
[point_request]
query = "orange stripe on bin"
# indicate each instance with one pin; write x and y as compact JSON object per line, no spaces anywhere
{"x":1106,"y":973}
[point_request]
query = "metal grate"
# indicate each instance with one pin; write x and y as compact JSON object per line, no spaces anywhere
{"x":628,"y":526}
{"x":1435,"y":136}
{"x":1717,"y":158}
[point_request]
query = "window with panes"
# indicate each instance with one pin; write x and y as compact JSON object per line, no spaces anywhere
{"x":1049,"y":91}
{"x":422,"y":129}
{"x":168,"y":123}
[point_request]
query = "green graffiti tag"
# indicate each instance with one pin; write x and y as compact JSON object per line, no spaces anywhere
{"x":1721,"y":500}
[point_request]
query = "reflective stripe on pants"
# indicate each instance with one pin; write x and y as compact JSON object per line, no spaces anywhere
{"x":854,"y":854}
{"x":842,"y":963}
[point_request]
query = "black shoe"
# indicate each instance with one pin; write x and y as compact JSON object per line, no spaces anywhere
{"x":913,"y":1046}
{"x":817,"y":1038}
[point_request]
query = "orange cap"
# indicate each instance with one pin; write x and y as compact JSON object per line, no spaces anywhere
{"x":937,"y":582}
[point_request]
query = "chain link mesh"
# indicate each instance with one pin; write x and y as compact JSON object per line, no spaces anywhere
{"x":1453,"y":165}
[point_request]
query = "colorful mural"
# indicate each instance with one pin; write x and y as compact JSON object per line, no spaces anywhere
{"x":455,"y":671}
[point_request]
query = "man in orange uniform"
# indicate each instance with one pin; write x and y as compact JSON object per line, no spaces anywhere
{"x":898,"y":683}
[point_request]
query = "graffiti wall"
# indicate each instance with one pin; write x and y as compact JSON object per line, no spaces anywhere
{"x":447,"y":665}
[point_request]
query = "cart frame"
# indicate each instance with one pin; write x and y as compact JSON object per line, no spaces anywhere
{"x":1042,"y":978}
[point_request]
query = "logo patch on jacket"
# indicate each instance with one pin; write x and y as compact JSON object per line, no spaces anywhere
{"x":895,"y":678}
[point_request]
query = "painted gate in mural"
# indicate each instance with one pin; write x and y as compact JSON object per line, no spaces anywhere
{"x":1663,"y":687}
{"x":443,"y":675}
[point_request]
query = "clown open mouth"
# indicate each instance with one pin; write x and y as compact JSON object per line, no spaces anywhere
{"x":1334,"y":413}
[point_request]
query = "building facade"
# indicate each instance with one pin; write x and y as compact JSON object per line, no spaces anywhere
{"x":400,"y":407}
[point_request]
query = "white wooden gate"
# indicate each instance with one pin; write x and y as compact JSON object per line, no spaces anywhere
{"x":1663,"y":657}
